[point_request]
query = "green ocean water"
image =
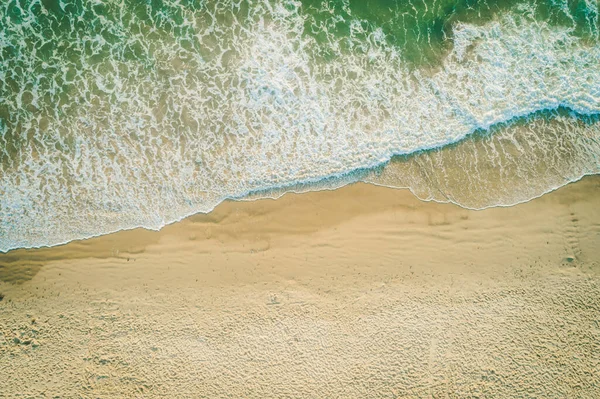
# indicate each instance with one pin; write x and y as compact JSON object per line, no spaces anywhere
{"x":120,"y":114}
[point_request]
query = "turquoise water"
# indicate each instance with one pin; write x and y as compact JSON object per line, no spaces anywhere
{"x":121,"y":114}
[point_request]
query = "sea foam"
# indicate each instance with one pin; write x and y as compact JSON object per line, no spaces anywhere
{"x":139,"y":125}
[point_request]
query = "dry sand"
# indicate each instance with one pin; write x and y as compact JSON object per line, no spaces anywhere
{"x":363,"y":292}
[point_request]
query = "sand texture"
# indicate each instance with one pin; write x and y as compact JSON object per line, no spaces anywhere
{"x":362,"y":292}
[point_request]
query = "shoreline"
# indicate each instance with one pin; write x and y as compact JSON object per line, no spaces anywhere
{"x":312,"y":188}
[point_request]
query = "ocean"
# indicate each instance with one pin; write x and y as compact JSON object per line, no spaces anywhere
{"x":120,"y":114}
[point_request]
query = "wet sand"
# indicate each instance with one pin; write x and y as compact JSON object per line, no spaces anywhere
{"x":362,"y":292}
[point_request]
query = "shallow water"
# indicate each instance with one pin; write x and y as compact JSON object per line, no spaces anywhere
{"x":117,"y":115}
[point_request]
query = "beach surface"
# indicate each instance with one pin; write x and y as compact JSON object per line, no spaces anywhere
{"x":361,"y":292}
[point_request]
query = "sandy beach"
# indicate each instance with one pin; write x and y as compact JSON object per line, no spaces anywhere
{"x":147,"y":248}
{"x":362,"y":292}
